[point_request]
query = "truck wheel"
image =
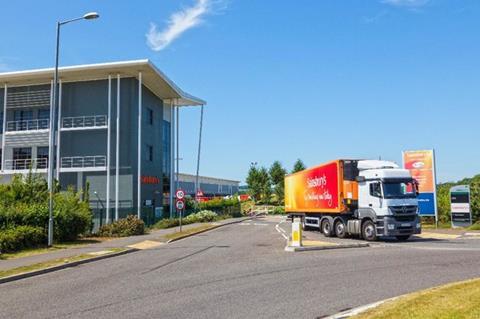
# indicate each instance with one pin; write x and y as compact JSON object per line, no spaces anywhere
{"x":326,"y":229}
{"x":340,"y":229}
{"x":403,"y":237}
{"x":368,"y":231}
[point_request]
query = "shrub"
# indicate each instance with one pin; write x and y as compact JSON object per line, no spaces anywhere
{"x":475,"y":226}
{"x":223,"y":206}
{"x":278,"y":210}
{"x":167,"y":223}
{"x":72,"y":216}
{"x":124,"y":227}
{"x":21,"y":237}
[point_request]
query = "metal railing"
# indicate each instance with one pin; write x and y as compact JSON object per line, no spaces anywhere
{"x":28,"y":163}
{"x":27,"y":125}
{"x":84,"y":121}
{"x":83,"y":161}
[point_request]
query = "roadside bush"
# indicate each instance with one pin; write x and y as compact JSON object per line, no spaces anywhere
{"x":124,"y":227}
{"x":167,"y":223}
{"x":223,"y":206}
{"x":72,"y":216}
{"x":475,"y":226}
{"x":203,"y":216}
{"x":21,"y":237}
{"x":278,"y":210}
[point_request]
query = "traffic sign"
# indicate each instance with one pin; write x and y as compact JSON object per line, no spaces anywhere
{"x":180,"y":194}
{"x":180,"y":204}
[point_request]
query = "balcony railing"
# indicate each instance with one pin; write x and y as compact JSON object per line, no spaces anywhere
{"x":27,"y":125}
{"x":24,"y":164}
{"x":84,"y":161}
{"x":80,"y":122}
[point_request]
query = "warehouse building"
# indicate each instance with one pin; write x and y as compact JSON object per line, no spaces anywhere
{"x":208,"y":186}
{"x":115,"y":132}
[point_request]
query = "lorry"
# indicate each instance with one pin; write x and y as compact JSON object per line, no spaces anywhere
{"x":366,"y":198}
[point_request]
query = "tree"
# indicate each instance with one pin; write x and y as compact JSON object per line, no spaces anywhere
{"x":277,"y":176}
{"x":253,"y":183}
{"x":298,"y":166}
{"x":265,"y":184}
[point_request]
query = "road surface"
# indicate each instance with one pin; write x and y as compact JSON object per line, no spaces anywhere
{"x":239,"y":271}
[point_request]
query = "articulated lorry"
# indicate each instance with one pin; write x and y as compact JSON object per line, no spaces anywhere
{"x":366,"y":198}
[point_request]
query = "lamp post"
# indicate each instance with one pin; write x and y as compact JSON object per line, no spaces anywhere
{"x":51,"y":142}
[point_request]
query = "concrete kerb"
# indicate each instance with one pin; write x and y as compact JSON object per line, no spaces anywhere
{"x":209,"y":229}
{"x":358,"y":310}
{"x":64,"y":266}
{"x":339,"y":246}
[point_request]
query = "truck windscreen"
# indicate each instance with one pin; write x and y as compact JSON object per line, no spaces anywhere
{"x":399,"y":189}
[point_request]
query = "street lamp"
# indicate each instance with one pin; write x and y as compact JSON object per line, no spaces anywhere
{"x":87,"y":16}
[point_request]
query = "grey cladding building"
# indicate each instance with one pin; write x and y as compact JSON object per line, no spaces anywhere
{"x":115,"y":132}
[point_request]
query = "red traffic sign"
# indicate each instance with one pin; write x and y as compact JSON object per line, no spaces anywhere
{"x":180,"y":204}
{"x":180,"y":194}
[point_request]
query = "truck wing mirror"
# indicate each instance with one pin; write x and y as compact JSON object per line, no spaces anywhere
{"x":360,"y":179}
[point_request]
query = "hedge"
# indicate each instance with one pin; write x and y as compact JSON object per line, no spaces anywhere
{"x":21,"y":237}
{"x":124,"y":227}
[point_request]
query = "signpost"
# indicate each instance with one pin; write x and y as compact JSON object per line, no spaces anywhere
{"x":460,"y":206}
{"x":180,"y":204}
{"x":421,"y":165}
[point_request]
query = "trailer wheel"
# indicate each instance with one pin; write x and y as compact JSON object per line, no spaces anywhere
{"x":326,"y":228}
{"x":368,"y":231}
{"x":403,"y":237}
{"x":340,"y":229}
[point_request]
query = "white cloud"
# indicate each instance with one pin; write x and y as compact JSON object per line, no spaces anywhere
{"x":178,"y":23}
{"x":407,"y":3}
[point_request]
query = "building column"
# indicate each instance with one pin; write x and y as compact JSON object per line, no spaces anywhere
{"x":4,"y":125}
{"x":109,"y":123}
{"x":117,"y":150}
{"x":139,"y":155}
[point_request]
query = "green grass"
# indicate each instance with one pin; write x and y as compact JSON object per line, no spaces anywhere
{"x":51,"y":263}
{"x":44,"y":249}
{"x":440,"y":226}
{"x":453,"y":301}
{"x":188,"y":231}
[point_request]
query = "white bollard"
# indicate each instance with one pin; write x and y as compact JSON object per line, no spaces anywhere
{"x":297,"y":232}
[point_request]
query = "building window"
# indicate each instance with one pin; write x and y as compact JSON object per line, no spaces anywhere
{"x":150,"y":153}
{"x":22,"y":157}
{"x":149,"y":116}
{"x":42,"y":157}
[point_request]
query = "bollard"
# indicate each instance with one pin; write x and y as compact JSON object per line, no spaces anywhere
{"x":297,"y":232}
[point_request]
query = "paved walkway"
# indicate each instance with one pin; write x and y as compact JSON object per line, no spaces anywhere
{"x":124,"y":242}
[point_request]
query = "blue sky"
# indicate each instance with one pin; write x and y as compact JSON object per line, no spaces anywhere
{"x":289,"y":79}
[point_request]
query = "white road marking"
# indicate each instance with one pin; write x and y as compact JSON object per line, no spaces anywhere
{"x":244,"y":224}
{"x":280,"y":230}
{"x":260,"y":224}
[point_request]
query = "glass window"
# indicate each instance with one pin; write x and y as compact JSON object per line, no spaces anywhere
{"x":375,"y":189}
{"x":402,"y":189}
{"x":22,"y":157}
{"x":42,"y":157}
{"x":150,"y":153}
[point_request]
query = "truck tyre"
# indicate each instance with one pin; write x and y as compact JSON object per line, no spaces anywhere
{"x":368,"y":231}
{"x":326,"y":228}
{"x":403,"y":237}
{"x":340,"y":229}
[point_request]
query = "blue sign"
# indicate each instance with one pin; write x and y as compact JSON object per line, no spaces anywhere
{"x":426,"y":204}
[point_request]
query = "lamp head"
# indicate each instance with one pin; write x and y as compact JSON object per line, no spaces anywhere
{"x":91,"y":16}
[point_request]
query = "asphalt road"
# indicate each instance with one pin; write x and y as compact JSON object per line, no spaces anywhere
{"x":239,"y":271}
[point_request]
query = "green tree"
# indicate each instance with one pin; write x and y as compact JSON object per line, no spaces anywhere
{"x":253,"y":183}
{"x":277,"y":176}
{"x":298,"y":166}
{"x":265,"y":185}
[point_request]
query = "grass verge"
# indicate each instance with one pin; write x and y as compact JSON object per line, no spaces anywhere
{"x":188,"y":231}
{"x":52,"y":263}
{"x":457,"y":300}
{"x":42,"y":250}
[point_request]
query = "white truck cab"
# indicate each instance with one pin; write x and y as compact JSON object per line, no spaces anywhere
{"x":388,"y":196}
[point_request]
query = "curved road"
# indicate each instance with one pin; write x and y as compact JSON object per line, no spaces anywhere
{"x":239,"y":271}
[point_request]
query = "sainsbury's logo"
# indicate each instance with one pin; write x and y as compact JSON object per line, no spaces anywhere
{"x":317,"y":182}
{"x":418,"y":164}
